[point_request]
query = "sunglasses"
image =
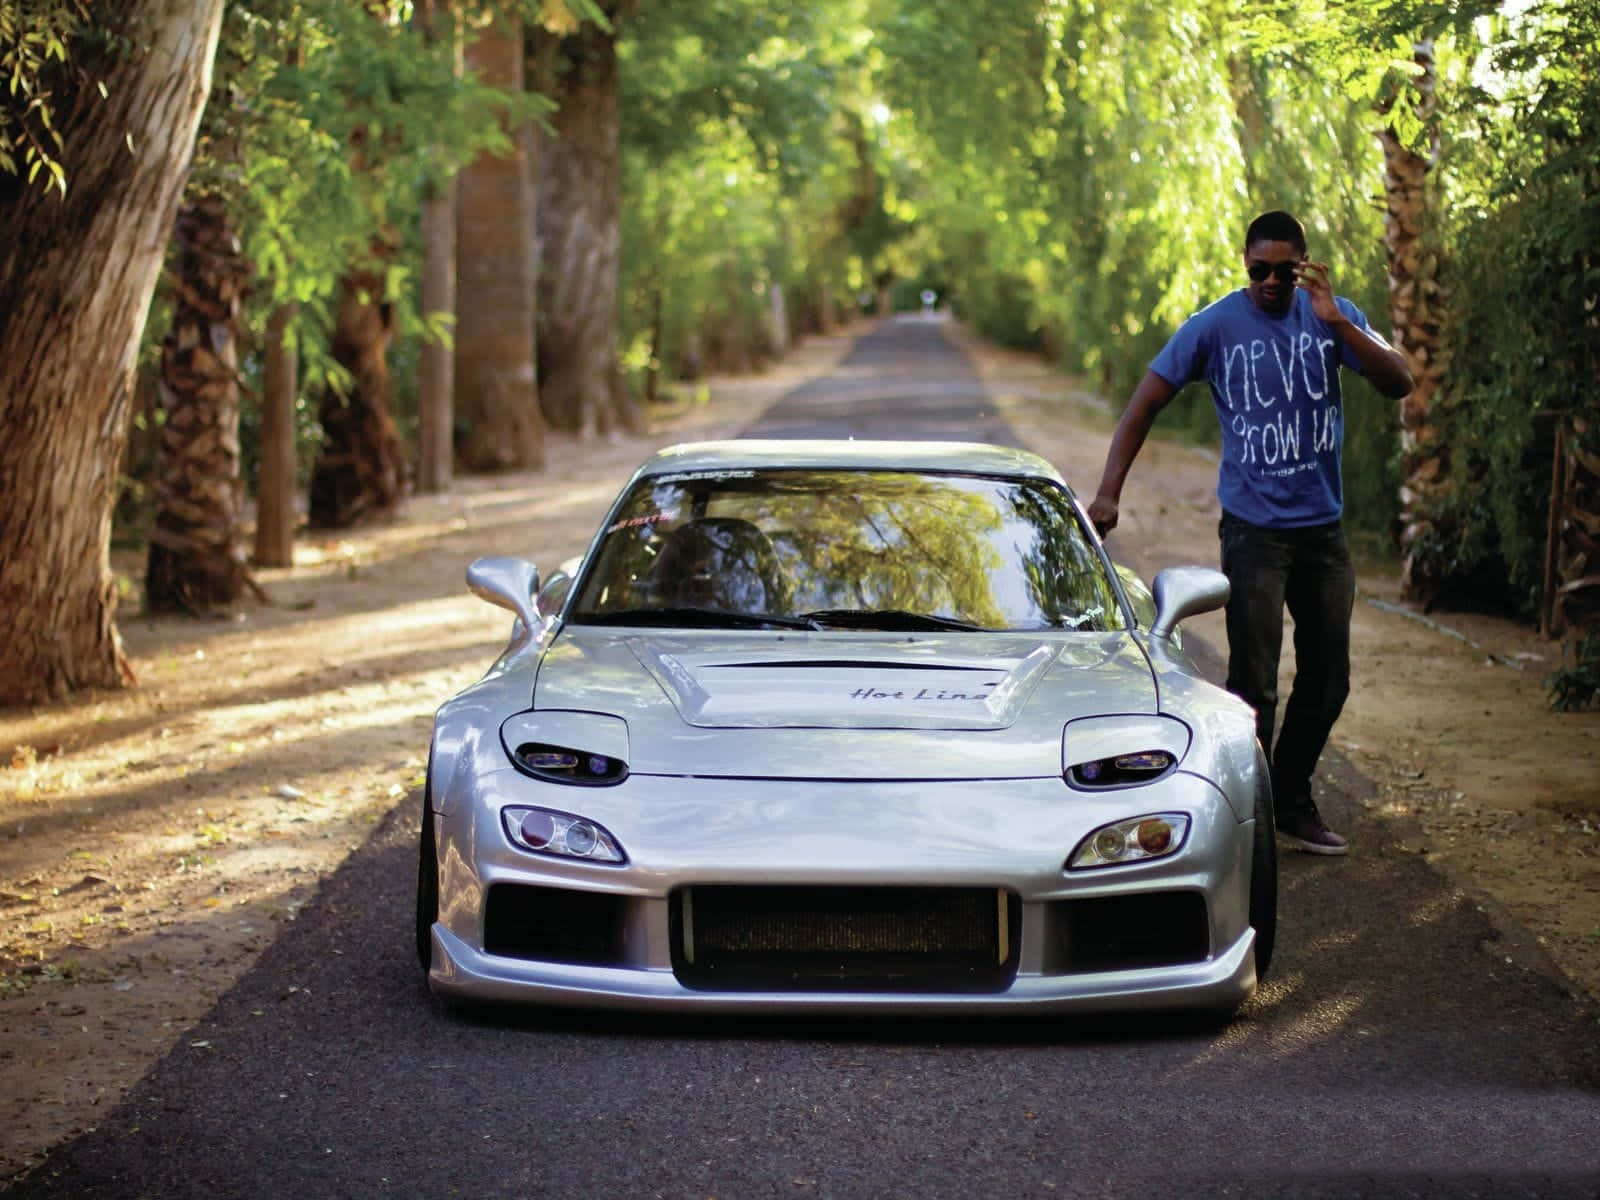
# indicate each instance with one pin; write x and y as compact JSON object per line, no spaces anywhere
{"x":1283,"y":270}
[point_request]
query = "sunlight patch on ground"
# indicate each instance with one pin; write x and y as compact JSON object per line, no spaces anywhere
{"x":1278,"y":989}
{"x":1324,"y":1020}
{"x":1340,"y":940}
{"x":1436,"y":909}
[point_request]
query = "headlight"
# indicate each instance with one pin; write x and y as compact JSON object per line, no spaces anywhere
{"x":1122,"y":750}
{"x":558,"y":764}
{"x":1133,"y":840}
{"x":563,"y":835}
{"x":1121,"y":770}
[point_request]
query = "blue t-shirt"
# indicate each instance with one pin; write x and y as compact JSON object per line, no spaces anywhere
{"x":1275,"y":381}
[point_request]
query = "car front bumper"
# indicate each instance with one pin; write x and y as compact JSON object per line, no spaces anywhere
{"x":1013,"y":836}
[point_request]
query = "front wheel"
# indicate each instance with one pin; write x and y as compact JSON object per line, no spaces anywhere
{"x":1264,"y":881}
{"x":427,"y":882}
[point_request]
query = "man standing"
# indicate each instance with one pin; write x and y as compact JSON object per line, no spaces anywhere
{"x":1271,"y":354}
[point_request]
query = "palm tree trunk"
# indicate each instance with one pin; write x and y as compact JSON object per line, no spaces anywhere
{"x":277,"y":476}
{"x":496,"y":392}
{"x":580,"y":235}
{"x":1415,"y":305}
{"x":196,"y":557}
{"x":361,"y":469}
{"x":437,"y":373}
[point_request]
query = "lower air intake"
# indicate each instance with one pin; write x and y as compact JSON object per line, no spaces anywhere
{"x":553,"y":924}
{"x":735,"y":938}
{"x":1144,"y":929}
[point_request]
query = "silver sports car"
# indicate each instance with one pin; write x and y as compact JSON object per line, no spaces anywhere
{"x":846,"y":726}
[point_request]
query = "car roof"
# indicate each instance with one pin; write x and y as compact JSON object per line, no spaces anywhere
{"x":977,"y":458}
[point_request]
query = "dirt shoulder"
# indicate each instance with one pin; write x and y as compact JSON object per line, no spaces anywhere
{"x":153,"y":841}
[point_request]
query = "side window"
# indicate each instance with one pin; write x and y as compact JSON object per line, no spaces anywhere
{"x":1139,"y":596}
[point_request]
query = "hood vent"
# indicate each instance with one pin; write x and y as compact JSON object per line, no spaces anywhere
{"x":947,"y":691}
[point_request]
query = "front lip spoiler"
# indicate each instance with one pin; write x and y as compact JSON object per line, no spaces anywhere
{"x":462,"y":973}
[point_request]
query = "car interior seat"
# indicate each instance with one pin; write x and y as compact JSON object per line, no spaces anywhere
{"x":723,"y":563}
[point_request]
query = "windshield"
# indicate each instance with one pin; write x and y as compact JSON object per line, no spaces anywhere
{"x":847,"y":549}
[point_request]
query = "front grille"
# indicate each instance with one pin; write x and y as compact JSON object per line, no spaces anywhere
{"x":1144,"y":929}
{"x":553,"y":924}
{"x":736,"y":938}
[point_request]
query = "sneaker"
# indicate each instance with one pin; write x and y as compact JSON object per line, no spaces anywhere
{"x":1303,"y":829}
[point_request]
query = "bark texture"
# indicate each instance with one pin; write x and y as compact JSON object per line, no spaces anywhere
{"x":277,"y":476}
{"x":496,"y":390}
{"x":1572,"y":584}
{"x":437,"y":370}
{"x":361,"y":468}
{"x":1415,"y":311}
{"x":196,"y":556}
{"x":436,"y":382}
{"x":76,"y":277}
{"x":581,"y":386}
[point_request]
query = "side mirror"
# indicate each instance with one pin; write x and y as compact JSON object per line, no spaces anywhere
{"x":1182,"y":592}
{"x":509,"y":583}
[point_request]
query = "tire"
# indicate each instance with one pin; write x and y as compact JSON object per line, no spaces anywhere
{"x":427,"y":882}
{"x":1264,"y":880}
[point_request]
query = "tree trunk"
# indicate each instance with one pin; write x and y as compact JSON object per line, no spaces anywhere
{"x":822,"y":300}
{"x":436,"y":376}
{"x":652,"y":371}
{"x":581,"y":384}
{"x":196,"y":557}
{"x":497,"y":393}
{"x":277,"y":477}
{"x":76,"y":277}
{"x":778,"y":319}
{"x":1415,"y":306}
{"x":361,"y":469}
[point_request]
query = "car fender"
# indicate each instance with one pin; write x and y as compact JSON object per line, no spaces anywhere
{"x":466,"y":733}
{"x":1225,"y":750}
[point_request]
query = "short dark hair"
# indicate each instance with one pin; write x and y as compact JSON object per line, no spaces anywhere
{"x":1276,"y":226}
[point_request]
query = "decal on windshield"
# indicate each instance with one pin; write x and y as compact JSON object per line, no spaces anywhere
{"x":634,"y":522}
{"x":695,"y":476}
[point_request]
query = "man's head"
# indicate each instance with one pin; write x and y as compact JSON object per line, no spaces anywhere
{"x":1274,"y":246}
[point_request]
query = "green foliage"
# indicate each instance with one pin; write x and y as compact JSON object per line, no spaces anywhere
{"x":1577,"y":684}
{"x":327,"y":123}
{"x":1093,"y":168}
{"x":1524,"y":286}
{"x":35,"y":55}
{"x":1070,"y":175}
{"x":737,"y":172}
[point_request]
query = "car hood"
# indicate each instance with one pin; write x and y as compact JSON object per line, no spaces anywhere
{"x":844,"y":705}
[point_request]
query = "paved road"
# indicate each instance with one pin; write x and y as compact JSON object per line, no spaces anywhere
{"x":1395,"y":1052}
{"x":902,"y":381}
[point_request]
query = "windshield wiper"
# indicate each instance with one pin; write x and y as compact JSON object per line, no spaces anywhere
{"x":884,"y":618}
{"x":695,"y":618}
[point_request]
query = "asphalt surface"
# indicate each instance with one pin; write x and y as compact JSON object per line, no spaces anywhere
{"x":1395,"y":1051}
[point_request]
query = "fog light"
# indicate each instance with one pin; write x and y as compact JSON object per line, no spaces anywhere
{"x":581,"y":839}
{"x":537,"y":829}
{"x":1137,"y":839}
{"x":561,"y":835}
{"x":1111,"y":844}
{"x":1154,"y":835}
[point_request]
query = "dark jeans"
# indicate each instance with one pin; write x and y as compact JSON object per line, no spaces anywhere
{"x":1308,"y":571}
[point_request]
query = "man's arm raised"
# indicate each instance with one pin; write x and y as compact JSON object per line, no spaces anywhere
{"x":1148,"y":399}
